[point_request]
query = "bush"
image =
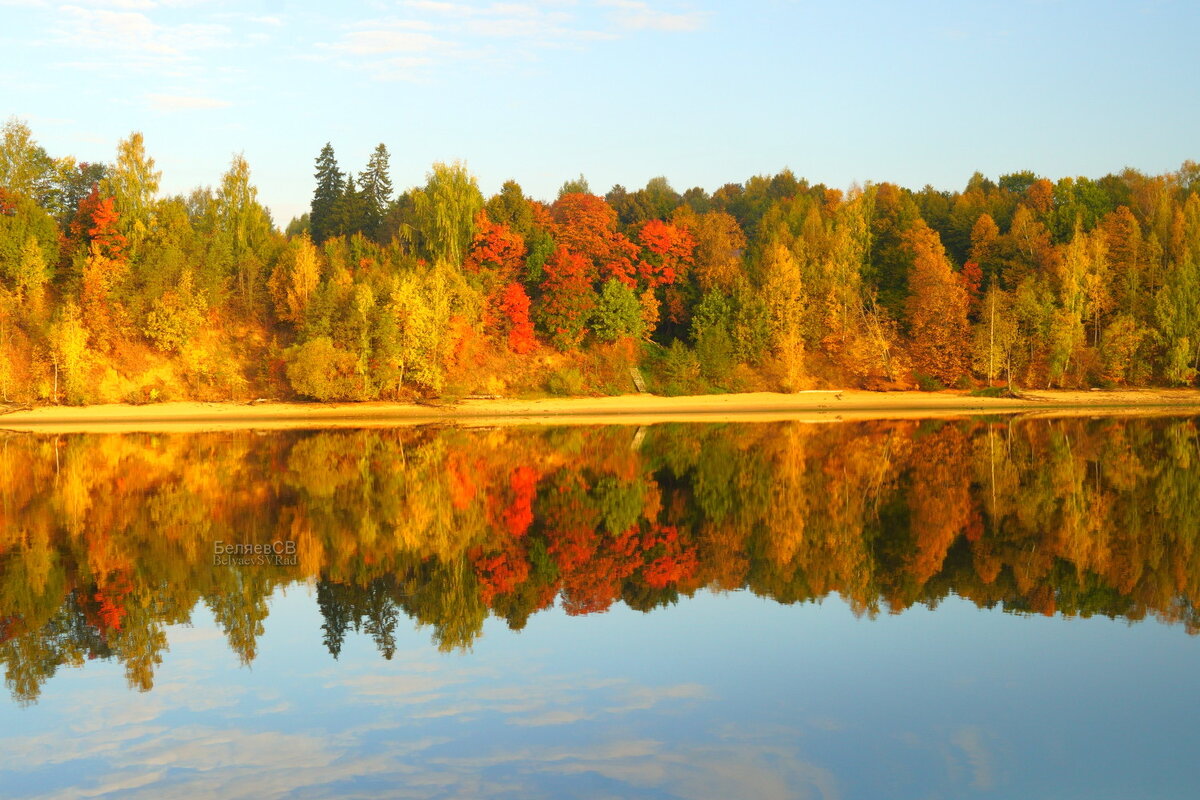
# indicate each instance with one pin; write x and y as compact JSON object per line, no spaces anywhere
{"x":992,"y":391}
{"x":714,"y":351}
{"x":928,"y":383}
{"x":680,"y":369}
{"x":566,"y":382}
{"x":319,"y":370}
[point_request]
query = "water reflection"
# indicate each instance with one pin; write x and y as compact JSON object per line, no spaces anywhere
{"x":107,"y":540}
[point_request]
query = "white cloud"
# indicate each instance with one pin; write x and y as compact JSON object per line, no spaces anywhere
{"x":126,"y":5}
{"x":457,"y":9}
{"x":179,"y":102}
{"x":970,"y":740}
{"x":494,"y":33}
{"x":638,"y":16}
{"x":377,"y":42}
{"x":138,"y":38}
{"x":559,"y":717}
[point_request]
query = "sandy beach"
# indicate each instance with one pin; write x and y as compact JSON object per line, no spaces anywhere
{"x":638,"y":409}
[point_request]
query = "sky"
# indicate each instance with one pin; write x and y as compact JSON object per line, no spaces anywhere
{"x":620,"y":91}
{"x":720,"y":696}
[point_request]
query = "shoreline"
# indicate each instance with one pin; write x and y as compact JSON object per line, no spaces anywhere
{"x":634,"y":409}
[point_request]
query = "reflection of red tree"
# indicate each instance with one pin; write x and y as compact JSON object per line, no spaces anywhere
{"x":462,"y":487}
{"x":593,"y":584}
{"x":110,"y":602}
{"x":500,"y":573}
{"x":674,"y":561}
{"x":519,"y":513}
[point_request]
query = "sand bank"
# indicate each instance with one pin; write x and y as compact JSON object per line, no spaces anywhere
{"x":627,"y":409}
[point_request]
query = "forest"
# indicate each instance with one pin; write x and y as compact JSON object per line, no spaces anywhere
{"x":112,"y":292}
{"x":105,"y":541}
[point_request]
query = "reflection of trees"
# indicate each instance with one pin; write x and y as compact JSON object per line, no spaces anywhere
{"x":106,"y":540}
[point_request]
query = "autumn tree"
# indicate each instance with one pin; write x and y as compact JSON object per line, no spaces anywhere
{"x":294,"y":280}
{"x":70,"y":354}
{"x":496,"y":250}
{"x":176,"y":316}
{"x":587,"y":227}
{"x":668,"y":252}
{"x":997,"y":342}
{"x":718,"y":251}
{"x":568,"y":299}
{"x":783,"y":290}
{"x":513,"y":307}
{"x":936,"y":308}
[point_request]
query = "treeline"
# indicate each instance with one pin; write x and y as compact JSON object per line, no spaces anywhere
{"x":106,"y":540}
{"x":109,"y":291}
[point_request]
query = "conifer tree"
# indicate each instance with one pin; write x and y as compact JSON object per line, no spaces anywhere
{"x":375,"y":186}
{"x":329,"y":190}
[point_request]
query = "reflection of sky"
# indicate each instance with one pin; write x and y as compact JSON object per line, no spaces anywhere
{"x":722,"y":696}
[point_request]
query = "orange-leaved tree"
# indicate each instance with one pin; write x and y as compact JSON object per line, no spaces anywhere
{"x":587,"y":226}
{"x":937,"y":307}
{"x":668,"y":252}
{"x":495,"y":248}
{"x":567,"y":299}
{"x":513,"y":305}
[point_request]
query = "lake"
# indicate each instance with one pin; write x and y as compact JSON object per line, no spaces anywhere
{"x":993,"y":607}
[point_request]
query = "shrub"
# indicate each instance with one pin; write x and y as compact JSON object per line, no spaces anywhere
{"x":319,"y":370}
{"x":566,"y":382}
{"x":928,"y":383}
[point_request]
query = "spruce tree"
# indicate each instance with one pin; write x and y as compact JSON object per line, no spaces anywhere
{"x":375,"y":186}
{"x":329,"y":191}
{"x":349,"y":215}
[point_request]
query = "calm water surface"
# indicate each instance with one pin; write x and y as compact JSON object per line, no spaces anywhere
{"x":985,"y":608}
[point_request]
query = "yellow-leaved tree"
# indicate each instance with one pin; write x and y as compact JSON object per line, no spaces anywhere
{"x":295,"y":280}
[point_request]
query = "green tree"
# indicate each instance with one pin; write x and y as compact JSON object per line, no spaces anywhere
{"x":329,"y":190}
{"x":132,"y":182}
{"x":176,"y":317}
{"x":711,"y":325}
{"x":445,"y":211}
{"x":375,"y":184}
{"x":24,"y":165}
{"x":25,"y":221}
{"x":350,"y":211}
{"x":32,"y":273}
{"x":617,"y":313}
{"x":244,"y":227}
{"x":574,"y":186}
{"x":1177,"y":317}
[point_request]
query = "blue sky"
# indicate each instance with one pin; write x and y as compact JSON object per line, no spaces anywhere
{"x":701,"y":91}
